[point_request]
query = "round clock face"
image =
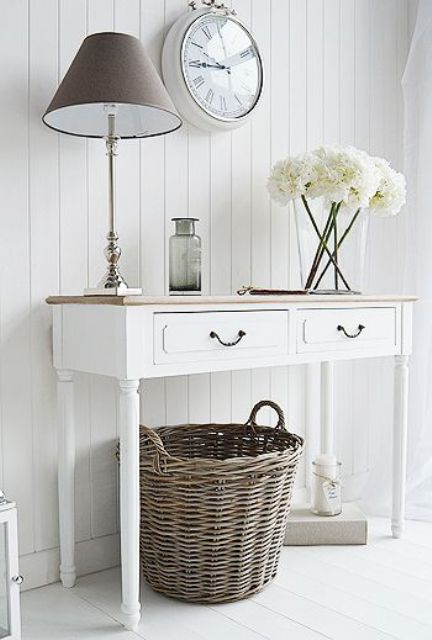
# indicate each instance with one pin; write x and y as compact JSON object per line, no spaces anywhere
{"x":221,"y":67}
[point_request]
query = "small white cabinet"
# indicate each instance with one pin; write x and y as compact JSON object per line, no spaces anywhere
{"x":10,"y":580}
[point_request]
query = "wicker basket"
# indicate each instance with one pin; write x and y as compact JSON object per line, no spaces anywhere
{"x":214,"y":503}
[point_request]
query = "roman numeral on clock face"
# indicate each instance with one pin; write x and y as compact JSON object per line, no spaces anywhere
{"x":209,"y":96}
{"x":223,"y":105}
{"x":195,"y":63}
{"x":207,"y":33}
{"x":198,"y":81}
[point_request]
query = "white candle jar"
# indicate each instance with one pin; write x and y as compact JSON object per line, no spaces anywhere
{"x":326,"y":498}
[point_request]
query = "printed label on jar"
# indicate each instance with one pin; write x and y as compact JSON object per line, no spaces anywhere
{"x":332,"y":493}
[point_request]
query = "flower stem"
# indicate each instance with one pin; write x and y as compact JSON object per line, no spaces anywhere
{"x":344,"y":235}
{"x":334,"y":211}
{"x":335,"y":253}
{"x":319,"y":251}
{"x":322,"y":240}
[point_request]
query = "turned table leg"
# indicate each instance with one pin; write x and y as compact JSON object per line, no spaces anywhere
{"x":66,"y":475}
{"x":400,"y":427}
{"x":312,"y":419}
{"x":129,"y":501}
{"x":327,"y":391}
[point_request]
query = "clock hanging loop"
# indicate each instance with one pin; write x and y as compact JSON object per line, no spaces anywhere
{"x":212,"y":4}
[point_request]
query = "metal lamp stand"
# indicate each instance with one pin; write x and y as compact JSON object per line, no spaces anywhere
{"x":112,"y":283}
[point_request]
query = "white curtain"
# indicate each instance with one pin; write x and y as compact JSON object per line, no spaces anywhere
{"x":417,"y":88}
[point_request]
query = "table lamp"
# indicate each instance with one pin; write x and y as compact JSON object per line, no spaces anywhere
{"x":112,"y":91}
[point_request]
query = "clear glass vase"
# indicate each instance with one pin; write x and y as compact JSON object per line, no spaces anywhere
{"x":185,"y":258}
{"x":335,"y":266}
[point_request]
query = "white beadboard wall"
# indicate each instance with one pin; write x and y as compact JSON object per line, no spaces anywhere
{"x":333,"y":70}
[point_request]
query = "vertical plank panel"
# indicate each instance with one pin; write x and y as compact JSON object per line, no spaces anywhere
{"x":314,"y":134}
{"x":103,"y":391}
{"x":221,"y":397}
{"x":241,"y":231}
{"x":403,"y":40}
{"x":343,"y":370}
{"x":176,"y":204}
{"x":153,"y":407}
{"x":241,"y":187}
{"x":260,"y":390}
{"x":383,"y":259}
{"x":384,"y":121}
{"x":100,"y":18}
{"x":331,"y":106}
{"x":127,"y":20}
{"x":153,"y":169}
{"x":221,"y":246}
{"x":331,"y":44}
{"x":361,"y":369}
{"x":298,"y":128}
{"x":260,"y":155}
{"x":315,"y":80}
{"x":298,"y":77}
{"x":220,"y":230}
{"x":279,"y":140}
{"x":15,"y":367}
{"x":152,"y":227}
{"x":74,"y":255}
{"x":260,"y":168}
{"x":199,"y":398}
{"x":44,"y":265}
{"x":279,"y":148}
{"x":199,"y":207}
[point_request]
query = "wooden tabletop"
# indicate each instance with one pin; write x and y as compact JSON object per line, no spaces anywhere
{"x":125,"y":301}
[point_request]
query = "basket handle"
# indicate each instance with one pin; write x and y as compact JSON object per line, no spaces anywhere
{"x":161,"y":452}
{"x":267,"y":403}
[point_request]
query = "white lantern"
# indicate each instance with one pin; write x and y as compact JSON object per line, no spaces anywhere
{"x":10,"y":620}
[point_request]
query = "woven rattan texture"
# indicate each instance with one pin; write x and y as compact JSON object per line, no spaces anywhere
{"x":214,"y":503}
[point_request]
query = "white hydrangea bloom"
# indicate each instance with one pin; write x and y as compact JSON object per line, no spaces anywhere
{"x":289,"y":178}
{"x":343,"y":175}
{"x":390,"y":195}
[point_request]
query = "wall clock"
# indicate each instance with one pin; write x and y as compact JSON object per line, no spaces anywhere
{"x":212,"y":67}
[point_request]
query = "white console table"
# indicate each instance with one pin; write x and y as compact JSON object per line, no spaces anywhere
{"x":132,"y":338}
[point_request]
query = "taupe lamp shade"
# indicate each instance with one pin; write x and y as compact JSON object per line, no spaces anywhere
{"x":112,"y":71}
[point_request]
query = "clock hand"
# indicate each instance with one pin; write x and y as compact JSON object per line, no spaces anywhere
{"x":213,"y":60}
{"x":205,"y":65}
{"x":239,"y":58}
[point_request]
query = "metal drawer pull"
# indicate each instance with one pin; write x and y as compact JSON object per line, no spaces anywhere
{"x":240,"y":335}
{"x":351,"y":335}
{"x":17,"y":579}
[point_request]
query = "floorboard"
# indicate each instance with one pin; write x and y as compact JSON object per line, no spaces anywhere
{"x":376,"y":592}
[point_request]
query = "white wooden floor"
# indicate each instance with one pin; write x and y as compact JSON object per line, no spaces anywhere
{"x":380,"y":591}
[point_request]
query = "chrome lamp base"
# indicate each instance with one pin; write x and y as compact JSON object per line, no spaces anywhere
{"x":113,"y":283}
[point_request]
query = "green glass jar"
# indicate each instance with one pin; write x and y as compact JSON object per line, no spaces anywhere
{"x":185,"y":258}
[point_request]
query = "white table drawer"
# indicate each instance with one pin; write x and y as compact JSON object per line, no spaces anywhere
{"x":341,"y":329}
{"x":197,"y":336}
